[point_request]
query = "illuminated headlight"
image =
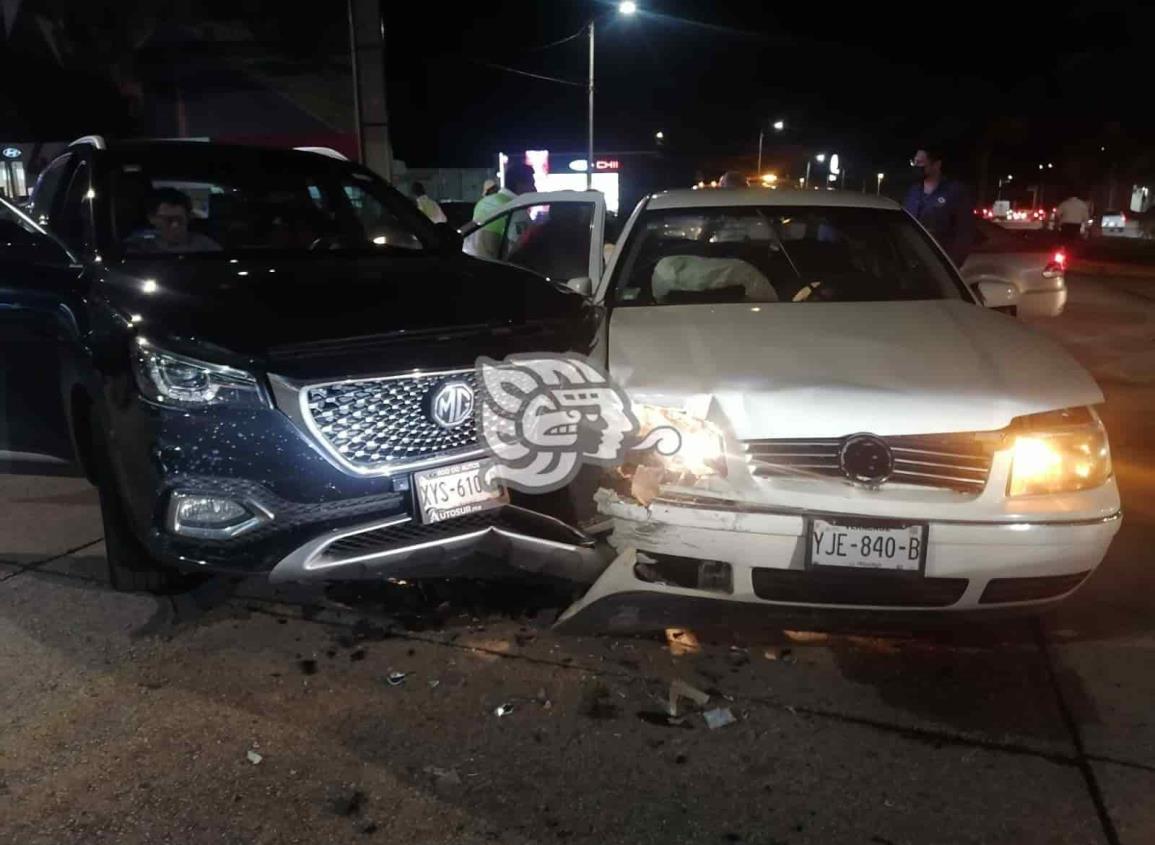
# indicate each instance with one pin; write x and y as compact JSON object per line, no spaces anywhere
{"x":1059,"y":452}
{"x":175,"y":380}
{"x":213,"y":517}
{"x":702,"y":451}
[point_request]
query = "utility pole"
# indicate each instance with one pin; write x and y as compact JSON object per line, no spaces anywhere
{"x":367,"y":53}
{"x":590,"y":120}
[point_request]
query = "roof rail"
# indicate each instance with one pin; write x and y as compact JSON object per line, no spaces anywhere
{"x":324,"y":151}
{"x":92,"y":140}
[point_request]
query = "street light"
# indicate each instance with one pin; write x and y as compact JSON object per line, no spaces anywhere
{"x":778,"y":126}
{"x":878,"y":187}
{"x":627,"y":8}
{"x":659,"y":135}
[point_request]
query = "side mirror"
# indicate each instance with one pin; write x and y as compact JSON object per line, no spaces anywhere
{"x":997,"y":294}
{"x":582,"y":285}
{"x":450,"y":241}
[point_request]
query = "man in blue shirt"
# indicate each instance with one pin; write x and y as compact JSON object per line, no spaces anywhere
{"x":941,"y":205}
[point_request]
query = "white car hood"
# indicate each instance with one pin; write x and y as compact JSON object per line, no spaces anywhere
{"x":782,"y":370}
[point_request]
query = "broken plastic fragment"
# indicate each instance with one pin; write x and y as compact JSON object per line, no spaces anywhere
{"x":719,"y":717}
{"x":680,"y":689}
{"x":503,"y":709}
{"x":682,"y":642}
{"x":396,"y":679}
{"x":254,"y":757}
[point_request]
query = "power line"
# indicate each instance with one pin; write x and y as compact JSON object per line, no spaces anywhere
{"x":519,"y":72}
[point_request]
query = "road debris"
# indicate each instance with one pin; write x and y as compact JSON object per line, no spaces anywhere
{"x":434,"y":684}
{"x":681,"y":689}
{"x":254,"y":757}
{"x":396,"y":679}
{"x":783,"y":654}
{"x":443,"y":778}
{"x":719,"y":717}
{"x":682,"y":642}
{"x":503,"y":709}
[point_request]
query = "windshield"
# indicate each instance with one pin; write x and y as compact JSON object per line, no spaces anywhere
{"x":780,"y":254}
{"x":178,"y":205}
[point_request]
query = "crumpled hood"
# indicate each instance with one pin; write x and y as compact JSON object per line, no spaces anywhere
{"x":788,"y":370}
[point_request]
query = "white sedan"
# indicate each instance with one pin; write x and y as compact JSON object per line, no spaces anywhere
{"x":858,"y":432}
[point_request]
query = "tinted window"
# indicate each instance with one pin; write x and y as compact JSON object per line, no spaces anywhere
{"x":47,"y":185}
{"x":553,"y":240}
{"x":779,"y":254}
{"x":72,"y":220}
{"x":237,"y":204}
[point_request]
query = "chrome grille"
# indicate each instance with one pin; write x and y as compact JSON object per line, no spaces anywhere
{"x":953,"y":461}
{"x":377,"y":425}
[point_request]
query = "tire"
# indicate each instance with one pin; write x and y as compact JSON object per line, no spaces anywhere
{"x":130,"y":567}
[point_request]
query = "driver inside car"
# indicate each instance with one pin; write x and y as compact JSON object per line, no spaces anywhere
{"x":168,"y":211}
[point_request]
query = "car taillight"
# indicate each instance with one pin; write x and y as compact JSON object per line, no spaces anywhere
{"x":1060,"y":258}
{"x":1057,"y":265}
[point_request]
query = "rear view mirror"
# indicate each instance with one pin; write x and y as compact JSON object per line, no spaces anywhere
{"x":997,"y":294}
{"x":582,"y":285}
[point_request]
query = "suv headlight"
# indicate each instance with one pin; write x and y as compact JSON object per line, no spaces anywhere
{"x":1059,"y":452}
{"x":175,"y":380}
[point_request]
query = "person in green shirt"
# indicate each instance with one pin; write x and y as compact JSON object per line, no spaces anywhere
{"x":485,"y":242}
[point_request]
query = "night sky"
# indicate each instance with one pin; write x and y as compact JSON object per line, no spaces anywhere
{"x":1001,"y":86}
{"x":1023,"y":82}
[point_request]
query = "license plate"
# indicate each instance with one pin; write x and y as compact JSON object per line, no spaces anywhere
{"x":866,"y":544}
{"x":457,"y":490}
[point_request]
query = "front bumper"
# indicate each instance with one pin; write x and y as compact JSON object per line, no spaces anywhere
{"x":970,"y":565}
{"x":491,"y":542}
{"x":262,"y":459}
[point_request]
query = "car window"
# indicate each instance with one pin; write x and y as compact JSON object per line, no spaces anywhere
{"x":71,"y":221}
{"x":40,"y":205}
{"x":552,"y":240}
{"x":780,"y":254}
{"x":22,"y":240}
{"x":180,"y":205}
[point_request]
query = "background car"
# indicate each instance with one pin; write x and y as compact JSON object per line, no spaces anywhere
{"x":1034,"y":262}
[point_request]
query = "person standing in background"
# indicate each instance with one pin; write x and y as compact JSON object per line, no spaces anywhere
{"x":427,"y":205}
{"x":1073,"y":213}
{"x":485,"y":242}
{"x":941,"y":205}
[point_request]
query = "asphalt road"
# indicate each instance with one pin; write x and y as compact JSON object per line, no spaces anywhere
{"x":241,"y":715}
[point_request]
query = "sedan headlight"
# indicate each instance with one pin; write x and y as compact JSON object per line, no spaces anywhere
{"x":175,"y":380}
{"x":1059,"y":452}
{"x":702,"y":451}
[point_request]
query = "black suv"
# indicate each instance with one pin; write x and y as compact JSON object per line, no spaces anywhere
{"x":264,"y":360}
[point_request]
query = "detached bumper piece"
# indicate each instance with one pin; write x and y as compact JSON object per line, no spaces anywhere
{"x":482,"y":544}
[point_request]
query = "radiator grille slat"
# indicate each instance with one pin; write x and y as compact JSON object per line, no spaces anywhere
{"x":959,"y":462}
{"x":385,"y":423}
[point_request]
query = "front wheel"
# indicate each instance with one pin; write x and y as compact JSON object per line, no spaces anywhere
{"x":130,"y":567}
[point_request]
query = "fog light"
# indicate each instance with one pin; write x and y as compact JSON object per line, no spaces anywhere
{"x":213,"y":517}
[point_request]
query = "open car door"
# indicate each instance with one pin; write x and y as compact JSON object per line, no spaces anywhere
{"x":38,"y":279}
{"x":558,"y":234}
